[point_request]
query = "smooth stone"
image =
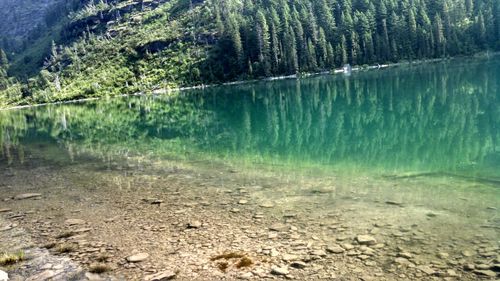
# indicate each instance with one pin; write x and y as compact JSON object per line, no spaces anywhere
{"x":279,"y":270}
{"x":469,"y":266}
{"x":153,"y":201}
{"x":74,"y":222}
{"x":27,"y":196}
{"x":489,"y":273}
{"x":45,"y":275}
{"x":426,"y":269}
{"x":4,"y":276}
{"x":82,"y":230}
{"x":289,"y":257}
{"x":4,"y":211}
{"x":93,"y":277}
{"x":483,"y":266}
{"x":298,"y":264}
{"x":403,"y":261}
{"x":162,"y":276}
{"x":335,"y":249}
{"x":242,"y":202}
{"x":194,"y":224}
{"x":279,"y":227}
{"x":267,"y":205}
{"x":274,"y":253}
{"x":320,"y":253}
{"x":443,"y":255}
{"x":405,"y":255}
{"x":246,"y":276}
{"x":138,"y":257}
{"x":467,"y":253}
{"x":347,"y":246}
{"x":366,"y":240}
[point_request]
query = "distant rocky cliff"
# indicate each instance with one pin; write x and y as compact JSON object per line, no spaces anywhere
{"x":19,"y":18}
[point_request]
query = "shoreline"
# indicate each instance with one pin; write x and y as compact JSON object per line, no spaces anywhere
{"x":333,"y":72}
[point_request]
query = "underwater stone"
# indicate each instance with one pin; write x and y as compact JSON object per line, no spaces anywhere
{"x":4,"y":276}
{"x":366,"y":240}
{"x":336,"y":249}
{"x":162,"y":276}
{"x":279,"y":270}
{"x":194,"y":224}
{"x":27,"y":196}
{"x":74,"y":221}
{"x":138,"y":257}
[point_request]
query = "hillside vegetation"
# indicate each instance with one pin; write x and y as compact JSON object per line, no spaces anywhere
{"x":120,"y":47}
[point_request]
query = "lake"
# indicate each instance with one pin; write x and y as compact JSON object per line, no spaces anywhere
{"x":390,"y":174}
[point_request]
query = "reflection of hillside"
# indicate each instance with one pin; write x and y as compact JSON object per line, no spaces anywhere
{"x":430,"y":118}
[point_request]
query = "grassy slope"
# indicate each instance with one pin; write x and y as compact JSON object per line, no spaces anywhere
{"x":115,"y":62}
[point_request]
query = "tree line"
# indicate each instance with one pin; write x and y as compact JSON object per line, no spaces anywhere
{"x":271,"y":37}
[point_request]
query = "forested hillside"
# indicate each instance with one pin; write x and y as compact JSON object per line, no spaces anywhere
{"x":113,"y":47}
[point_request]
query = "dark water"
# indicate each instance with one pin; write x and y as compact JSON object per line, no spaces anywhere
{"x":441,"y":118}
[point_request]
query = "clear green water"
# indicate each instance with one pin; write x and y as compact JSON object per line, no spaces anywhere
{"x":408,"y":154}
{"x":436,"y":119}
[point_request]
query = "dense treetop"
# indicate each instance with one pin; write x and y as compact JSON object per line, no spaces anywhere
{"x":111,"y":47}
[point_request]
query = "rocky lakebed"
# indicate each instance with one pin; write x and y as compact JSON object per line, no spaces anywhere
{"x":163,"y":220}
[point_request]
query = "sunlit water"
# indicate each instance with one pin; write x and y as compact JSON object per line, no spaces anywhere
{"x":407,"y":146}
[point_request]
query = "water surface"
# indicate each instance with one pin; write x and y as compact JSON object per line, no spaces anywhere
{"x":411,"y":149}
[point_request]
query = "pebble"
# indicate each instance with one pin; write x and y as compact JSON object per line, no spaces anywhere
{"x":278,"y":227}
{"x":247,"y":275}
{"x":469,"y":266}
{"x":335,"y":249}
{"x":138,"y":257}
{"x":289,"y":257}
{"x":366,"y":240}
{"x":194,"y":224}
{"x":347,"y":246}
{"x":443,"y":255}
{"x":74,"y":222}
{"x":403,"y":261}
{"x":489,"y":273}
{"x":279,"y":270}
{"x":44,"y":275}
{"x":267,"y":205}
{"x":162,"y":276}
{"x":93,"y":277}
{"x":242,"y":202}
{"x":27,"y":196}
{"x":298,"y":264}
{"x":4,"y":211}
{"x":320,"y":253}
{"x":426,"y":269}
{"x":4,"y":276}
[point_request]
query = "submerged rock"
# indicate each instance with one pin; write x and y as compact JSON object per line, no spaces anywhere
{"x":162,"y":276}
{"x":426,"y":269}
{"x":194,"y":224}
{"x":4,"y":276}
{"x":366,"y":240}
{"x":138,"y":257}
{"x":489,"y":273}
{"x":5,"y":210}
{"x":279,"y":270}
{"x":336,"y":249}
{"x":45,"y":275}
{"x":27,"y":196}
{"x":74,"y":222}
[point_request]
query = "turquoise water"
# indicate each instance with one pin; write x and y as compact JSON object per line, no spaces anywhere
{"x":410,"y":155}
{"x":440,"y":118}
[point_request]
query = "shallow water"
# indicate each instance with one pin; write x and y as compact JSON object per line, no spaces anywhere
{"x":410,"y":155}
